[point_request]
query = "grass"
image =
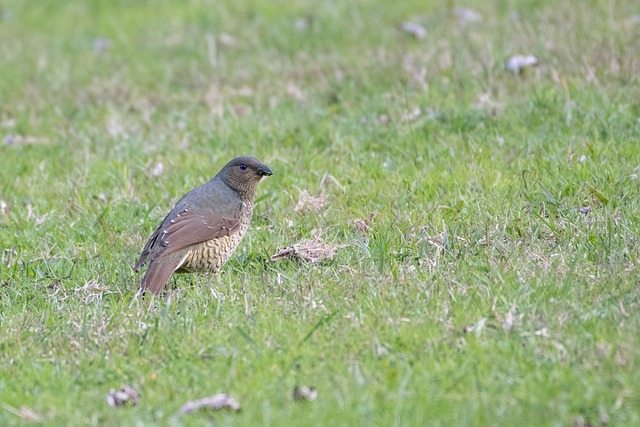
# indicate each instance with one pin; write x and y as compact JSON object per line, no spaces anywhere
{"x":481,"y":295}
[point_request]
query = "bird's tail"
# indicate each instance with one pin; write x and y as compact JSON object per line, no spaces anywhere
{"x":158,"y":273}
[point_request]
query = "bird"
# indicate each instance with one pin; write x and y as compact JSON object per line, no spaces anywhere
{"x":204,"y":227}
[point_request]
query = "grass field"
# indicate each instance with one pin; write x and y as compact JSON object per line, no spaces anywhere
{"x":497,"y":282}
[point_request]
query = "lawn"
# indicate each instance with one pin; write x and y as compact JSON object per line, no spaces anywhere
{"x":486,"y":223}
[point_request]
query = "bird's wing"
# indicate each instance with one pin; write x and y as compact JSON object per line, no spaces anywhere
{"x":164,"y":248}
{"x":189,"y":228}
{"x":147,"y":247}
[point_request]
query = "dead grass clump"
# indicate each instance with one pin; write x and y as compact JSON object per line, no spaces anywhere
{"x":310,"y":250}
{"x":307,"y":203}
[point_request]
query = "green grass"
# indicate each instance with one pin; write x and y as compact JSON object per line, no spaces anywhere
{"x":480,"y":296}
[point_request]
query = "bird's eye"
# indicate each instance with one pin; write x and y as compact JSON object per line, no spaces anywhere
{"x":243,"y":167}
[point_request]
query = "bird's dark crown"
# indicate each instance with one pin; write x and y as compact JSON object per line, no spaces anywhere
{"x":247,"y":165}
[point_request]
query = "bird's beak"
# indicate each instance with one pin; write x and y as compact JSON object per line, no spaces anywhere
{"x":264,"y":170}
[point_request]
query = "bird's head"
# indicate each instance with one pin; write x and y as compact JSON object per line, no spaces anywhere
{"x":244,"y":173}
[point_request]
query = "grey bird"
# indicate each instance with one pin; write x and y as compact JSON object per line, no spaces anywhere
{"x":205,"y":226}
